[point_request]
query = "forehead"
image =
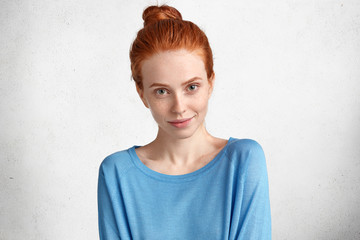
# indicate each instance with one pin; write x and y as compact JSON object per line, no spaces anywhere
{"x":172,"y":67}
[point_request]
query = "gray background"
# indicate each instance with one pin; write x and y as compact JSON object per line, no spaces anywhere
{"x":287,"y":75}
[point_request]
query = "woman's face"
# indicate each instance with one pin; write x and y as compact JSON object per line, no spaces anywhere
{"x":176,"y":90}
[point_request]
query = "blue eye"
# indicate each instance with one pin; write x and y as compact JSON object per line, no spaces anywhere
{"x":161,"y":91}
{"x":192,"y":87}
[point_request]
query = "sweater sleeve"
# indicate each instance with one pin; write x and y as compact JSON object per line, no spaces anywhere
{"x":106,"y":215}
{"x":255,"y":216}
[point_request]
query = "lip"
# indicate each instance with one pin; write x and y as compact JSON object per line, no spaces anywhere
{"x":181,"y":123}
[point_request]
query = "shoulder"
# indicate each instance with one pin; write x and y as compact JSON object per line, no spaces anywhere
{"x":246,"y":155}
{"x":243,"y":146}
{"x":118,"y":162}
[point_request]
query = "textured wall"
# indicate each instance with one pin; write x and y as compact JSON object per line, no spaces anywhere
{"x":287,"y":75}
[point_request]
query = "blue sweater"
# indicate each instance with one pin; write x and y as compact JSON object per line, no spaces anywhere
{"x":226,"y":199}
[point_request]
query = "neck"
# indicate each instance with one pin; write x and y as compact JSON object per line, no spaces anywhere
{"x":182,"y":151}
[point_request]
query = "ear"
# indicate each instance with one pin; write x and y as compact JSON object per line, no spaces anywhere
{"x":211,"y":83}
{"x":140,"y":91}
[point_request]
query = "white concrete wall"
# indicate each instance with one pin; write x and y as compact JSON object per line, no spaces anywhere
{"x":287,"y":72}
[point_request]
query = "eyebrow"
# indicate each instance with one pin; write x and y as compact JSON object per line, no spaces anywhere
{"x":166,"y":85}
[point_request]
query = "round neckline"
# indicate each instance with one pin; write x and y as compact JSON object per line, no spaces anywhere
{"x":175,"y":178}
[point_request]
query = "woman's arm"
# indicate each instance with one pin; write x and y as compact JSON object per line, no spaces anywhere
{"x":252,"y":215}
{"x":255,"y":208}
{"x":106,"y":217}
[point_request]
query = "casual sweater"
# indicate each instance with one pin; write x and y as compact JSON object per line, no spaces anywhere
{"x":228,"y":198}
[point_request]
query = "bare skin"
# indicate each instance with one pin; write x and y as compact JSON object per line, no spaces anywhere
{"x":176,"y":87}
{"x":180,"y":156}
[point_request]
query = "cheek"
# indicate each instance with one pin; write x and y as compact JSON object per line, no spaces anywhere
{"x":200,"y":105}
{"x":158,"y":108}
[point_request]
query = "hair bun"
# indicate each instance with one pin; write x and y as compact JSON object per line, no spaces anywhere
{"x":153,"y":14}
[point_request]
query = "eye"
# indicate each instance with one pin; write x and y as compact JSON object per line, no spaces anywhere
{"x":192,"y":87}
{"x":160,"y":91}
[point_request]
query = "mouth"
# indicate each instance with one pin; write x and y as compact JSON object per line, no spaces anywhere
{"x":181,"y":123}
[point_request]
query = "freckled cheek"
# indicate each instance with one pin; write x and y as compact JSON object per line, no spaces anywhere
{"x":199,"y":105}
{"x":159,"y":110}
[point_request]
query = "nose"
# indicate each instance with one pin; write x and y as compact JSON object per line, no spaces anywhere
{"x":178,"y":106}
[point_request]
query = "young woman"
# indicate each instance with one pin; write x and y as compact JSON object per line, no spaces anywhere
{"x":186,"y":184}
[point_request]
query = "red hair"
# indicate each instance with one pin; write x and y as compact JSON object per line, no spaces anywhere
{"x":165,"y":30}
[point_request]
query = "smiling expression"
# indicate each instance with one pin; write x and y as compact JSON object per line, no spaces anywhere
{"x":176,"y":90}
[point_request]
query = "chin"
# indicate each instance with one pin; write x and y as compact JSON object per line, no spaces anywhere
{"x":181,"y":133}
